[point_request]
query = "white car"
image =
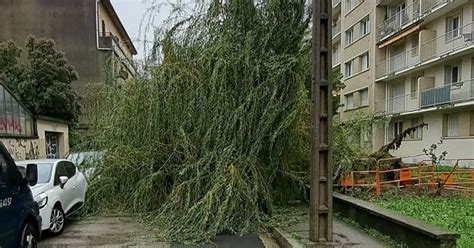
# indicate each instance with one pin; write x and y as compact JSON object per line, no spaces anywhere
{"x":60,"y":191}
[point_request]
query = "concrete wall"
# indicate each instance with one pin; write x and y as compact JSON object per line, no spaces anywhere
{"x":72,"y":24}
{"x":360,"y":79}
{"x":35,"y":147}
{"x":62,"y":129}
{"x":457,"y":147}
{"x":22,"y":148}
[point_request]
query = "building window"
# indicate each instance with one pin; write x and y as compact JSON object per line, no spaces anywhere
{"x":471,"y":124}
{"x":349,"y":34}
{"x":414,"y":45}
{"x":348,"y":68}
{"x":104,"y":31}
{"x":351,"y":4}
{"x":349,"y":101}
{"x":14,"y":119}
{"x":452,"y":125}
{"x":364,"y":26}
{"x":453,"y":25}
{"x":364,"y":61}
{"x":397,"y":128}
{"x":414,"y":87}
{"x":418,"y":133}
{"x":364,"y":97}
{"x":452,"y":74}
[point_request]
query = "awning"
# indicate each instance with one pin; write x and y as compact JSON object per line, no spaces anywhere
{"x":400,"y":36}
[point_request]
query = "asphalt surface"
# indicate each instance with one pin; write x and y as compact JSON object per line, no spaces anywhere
{"x":228,"y":241}
{"x":118,"y":231}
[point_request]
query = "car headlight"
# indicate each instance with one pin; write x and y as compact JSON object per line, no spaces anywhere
{"x":42,"y":200}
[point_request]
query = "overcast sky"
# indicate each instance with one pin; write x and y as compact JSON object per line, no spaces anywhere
{"x":131,"y":13}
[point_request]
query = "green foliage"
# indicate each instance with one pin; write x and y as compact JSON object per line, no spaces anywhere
{"x":347,"y":149}
{"x":42,"y":81}
{"x":455,"y":214}
{"x":209,"y":141}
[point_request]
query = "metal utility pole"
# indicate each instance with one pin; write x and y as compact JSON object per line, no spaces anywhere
{"x":320,"y":222}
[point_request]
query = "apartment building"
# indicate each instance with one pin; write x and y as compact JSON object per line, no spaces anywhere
{"x":89,"y":32}
{"x":412,"y":60}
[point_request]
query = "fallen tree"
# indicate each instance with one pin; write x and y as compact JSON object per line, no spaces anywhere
{"x":218,"y":132}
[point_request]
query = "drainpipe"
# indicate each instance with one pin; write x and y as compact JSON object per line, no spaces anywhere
{"x":97,"y":23}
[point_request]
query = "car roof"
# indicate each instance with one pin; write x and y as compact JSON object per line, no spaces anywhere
{"x":39,"y":161}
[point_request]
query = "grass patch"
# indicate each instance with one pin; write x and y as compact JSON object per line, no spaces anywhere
{"x":454,"y":214}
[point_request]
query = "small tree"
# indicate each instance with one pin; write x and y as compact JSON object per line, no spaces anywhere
{"x":436,"y":161}
{"x":43,"y":80}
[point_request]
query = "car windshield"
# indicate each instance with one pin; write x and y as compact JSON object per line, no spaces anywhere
{"x":44,"y":172}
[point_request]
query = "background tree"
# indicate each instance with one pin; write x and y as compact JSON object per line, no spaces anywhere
{"x":42,"y":79}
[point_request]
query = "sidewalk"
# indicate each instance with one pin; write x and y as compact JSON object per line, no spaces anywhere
{"x":345,"y":235}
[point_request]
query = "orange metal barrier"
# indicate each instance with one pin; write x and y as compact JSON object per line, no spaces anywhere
{"x":421,"y":175}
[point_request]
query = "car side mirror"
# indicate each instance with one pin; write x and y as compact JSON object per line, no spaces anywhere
{"x":62,"y":181}
{"x":32,"y":174}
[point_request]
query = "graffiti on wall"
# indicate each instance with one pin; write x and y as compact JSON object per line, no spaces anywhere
{"x":22,"y":149}
{"x":10,"y":124}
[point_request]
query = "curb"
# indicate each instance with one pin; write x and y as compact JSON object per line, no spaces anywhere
{"x":285,"y":240}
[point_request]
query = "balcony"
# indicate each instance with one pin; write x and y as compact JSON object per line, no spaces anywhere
{"x":110,"y":42}
{"x":404,"y":18}
{"x":398,"y":21}
{"x":431,"y":50}
{"x":453,"y":93}
{"x":398,"y":104}
{"x":448,"y":94}
{"x":335,"y":3}
{"x":398,"y":63}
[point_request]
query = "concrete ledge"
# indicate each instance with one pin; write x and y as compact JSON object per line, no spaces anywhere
{"x":285,"y":240}
{"x":401,"y":228}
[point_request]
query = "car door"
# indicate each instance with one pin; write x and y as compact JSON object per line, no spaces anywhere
{"x":6,"y":209}
{"x":66,"y":194}
{"x":12,"y":200}
{"x":74,"y":181}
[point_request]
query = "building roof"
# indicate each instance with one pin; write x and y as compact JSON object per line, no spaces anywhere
{"x":115,"y":18}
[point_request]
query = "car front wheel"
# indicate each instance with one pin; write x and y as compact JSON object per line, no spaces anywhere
{"x":56,"y":225}
{"x":29,"y":236}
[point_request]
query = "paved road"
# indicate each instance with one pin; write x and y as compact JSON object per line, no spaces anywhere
{"x":125,"y":232}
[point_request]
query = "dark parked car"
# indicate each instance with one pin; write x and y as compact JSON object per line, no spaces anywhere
{"x":20,"y":222}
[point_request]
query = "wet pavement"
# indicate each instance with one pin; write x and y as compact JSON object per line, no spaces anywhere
{"x":344,"y":235}
{"x":118,"y":231}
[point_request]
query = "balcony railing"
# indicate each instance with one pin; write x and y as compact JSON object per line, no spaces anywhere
{"x":398,"y":62}
{"x":448,"y":42}
{"x":396,"y":22}
{"x":449,"y":93}
{"x":336,"y":29}
{"x":439,"y":46}
{"x":429,"y":5}
{"x":398,"y":104}
{"x":335,"y":3}
{"x":110,"y":41}
{"x":408,"y":15}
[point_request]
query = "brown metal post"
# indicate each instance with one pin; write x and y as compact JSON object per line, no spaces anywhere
{"x":320,"y":226}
